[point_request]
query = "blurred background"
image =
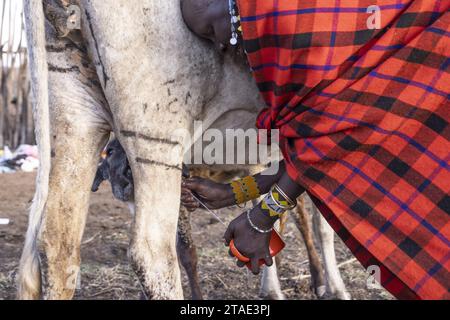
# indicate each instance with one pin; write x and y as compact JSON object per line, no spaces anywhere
{"x":16,"y":125}
{"x":17,"y":150}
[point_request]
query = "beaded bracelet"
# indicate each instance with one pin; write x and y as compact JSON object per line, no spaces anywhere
{"x":276,"y":202}
{"x":250,"y":187}
{"x":238,"y":191}
{"x":245,"y":189}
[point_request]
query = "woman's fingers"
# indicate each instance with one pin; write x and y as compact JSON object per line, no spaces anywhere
{"x":188,"y":200}
{"x":240,"y":264}
{"x":186,"y":192}
{"x":190,"y":206}
{"x":192,"y":183}
{"x":268,"y":260}
{"x":254,"y":265}
{"x":228,"y":236}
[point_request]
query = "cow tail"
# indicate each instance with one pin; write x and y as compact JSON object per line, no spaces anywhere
{"x":29,"y":279}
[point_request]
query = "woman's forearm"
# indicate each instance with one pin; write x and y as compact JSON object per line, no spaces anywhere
{"x":218,"y":195}
{"x":285,"y":193}
{"x":266,"y":181}
{"x":290,"y":187}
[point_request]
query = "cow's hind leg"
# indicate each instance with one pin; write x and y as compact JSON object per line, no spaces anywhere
{"x":79,"y":129}
{"x":315,"y":267}
{"x":73,"y":167}
{"x":76,"y":149}
{"x":325,"y":234}
{"x":187,"y":252}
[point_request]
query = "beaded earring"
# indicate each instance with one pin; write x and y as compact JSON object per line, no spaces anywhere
{"x":235,"y":22}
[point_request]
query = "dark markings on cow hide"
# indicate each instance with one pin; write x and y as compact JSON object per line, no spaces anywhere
{"x":168,"y":92}
{"x":169,"y":82}
{"x":105,"y":75}
{"x":188,"y":96}
{"x":55,"y":48}
{"x":128,"y":134}
{"x":145,"y":105}
{"x":172,"y":102}
{"x":157,"y":163}
{"x":53,"y":68}
{"x":132,"y":134}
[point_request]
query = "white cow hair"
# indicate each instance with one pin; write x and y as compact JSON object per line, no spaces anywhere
{"x":29,"y":281}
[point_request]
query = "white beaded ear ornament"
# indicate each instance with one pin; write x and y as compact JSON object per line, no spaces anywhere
{"x":235,"y":19}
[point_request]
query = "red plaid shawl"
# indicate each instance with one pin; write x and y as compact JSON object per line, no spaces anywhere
{"x":363,"y":115}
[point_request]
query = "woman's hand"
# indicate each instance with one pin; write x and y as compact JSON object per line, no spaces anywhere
{"x":249,"y":242}
{"x":214,"y":195}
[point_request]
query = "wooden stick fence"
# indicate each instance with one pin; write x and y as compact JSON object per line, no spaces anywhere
{"x":16,"y":122}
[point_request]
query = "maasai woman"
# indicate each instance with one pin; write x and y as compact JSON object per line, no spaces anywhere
{"x":360,"y":96}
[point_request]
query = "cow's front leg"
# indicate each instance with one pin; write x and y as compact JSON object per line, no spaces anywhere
{"x":157,"y":179}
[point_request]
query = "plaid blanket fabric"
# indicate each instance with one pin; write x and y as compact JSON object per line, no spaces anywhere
{"x":364,"y":118}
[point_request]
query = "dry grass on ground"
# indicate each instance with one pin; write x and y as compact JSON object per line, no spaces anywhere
{"x":106,"y":273}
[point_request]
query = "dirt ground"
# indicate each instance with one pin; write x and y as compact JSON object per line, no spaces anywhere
{"x":105,"y":271}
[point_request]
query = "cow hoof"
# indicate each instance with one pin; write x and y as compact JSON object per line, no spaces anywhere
{"x":321,"y":292}
{"x":343,"y":295}
{"x":273,"y":295}
{"x":197,"y":297}
{"x":142,"y":296}
{"x":340,"y":295}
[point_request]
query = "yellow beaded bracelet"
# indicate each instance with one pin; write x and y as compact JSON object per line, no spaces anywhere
{"x":238,"y":192}
{"x":245,"y":189}
{"x":250,"y":188}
